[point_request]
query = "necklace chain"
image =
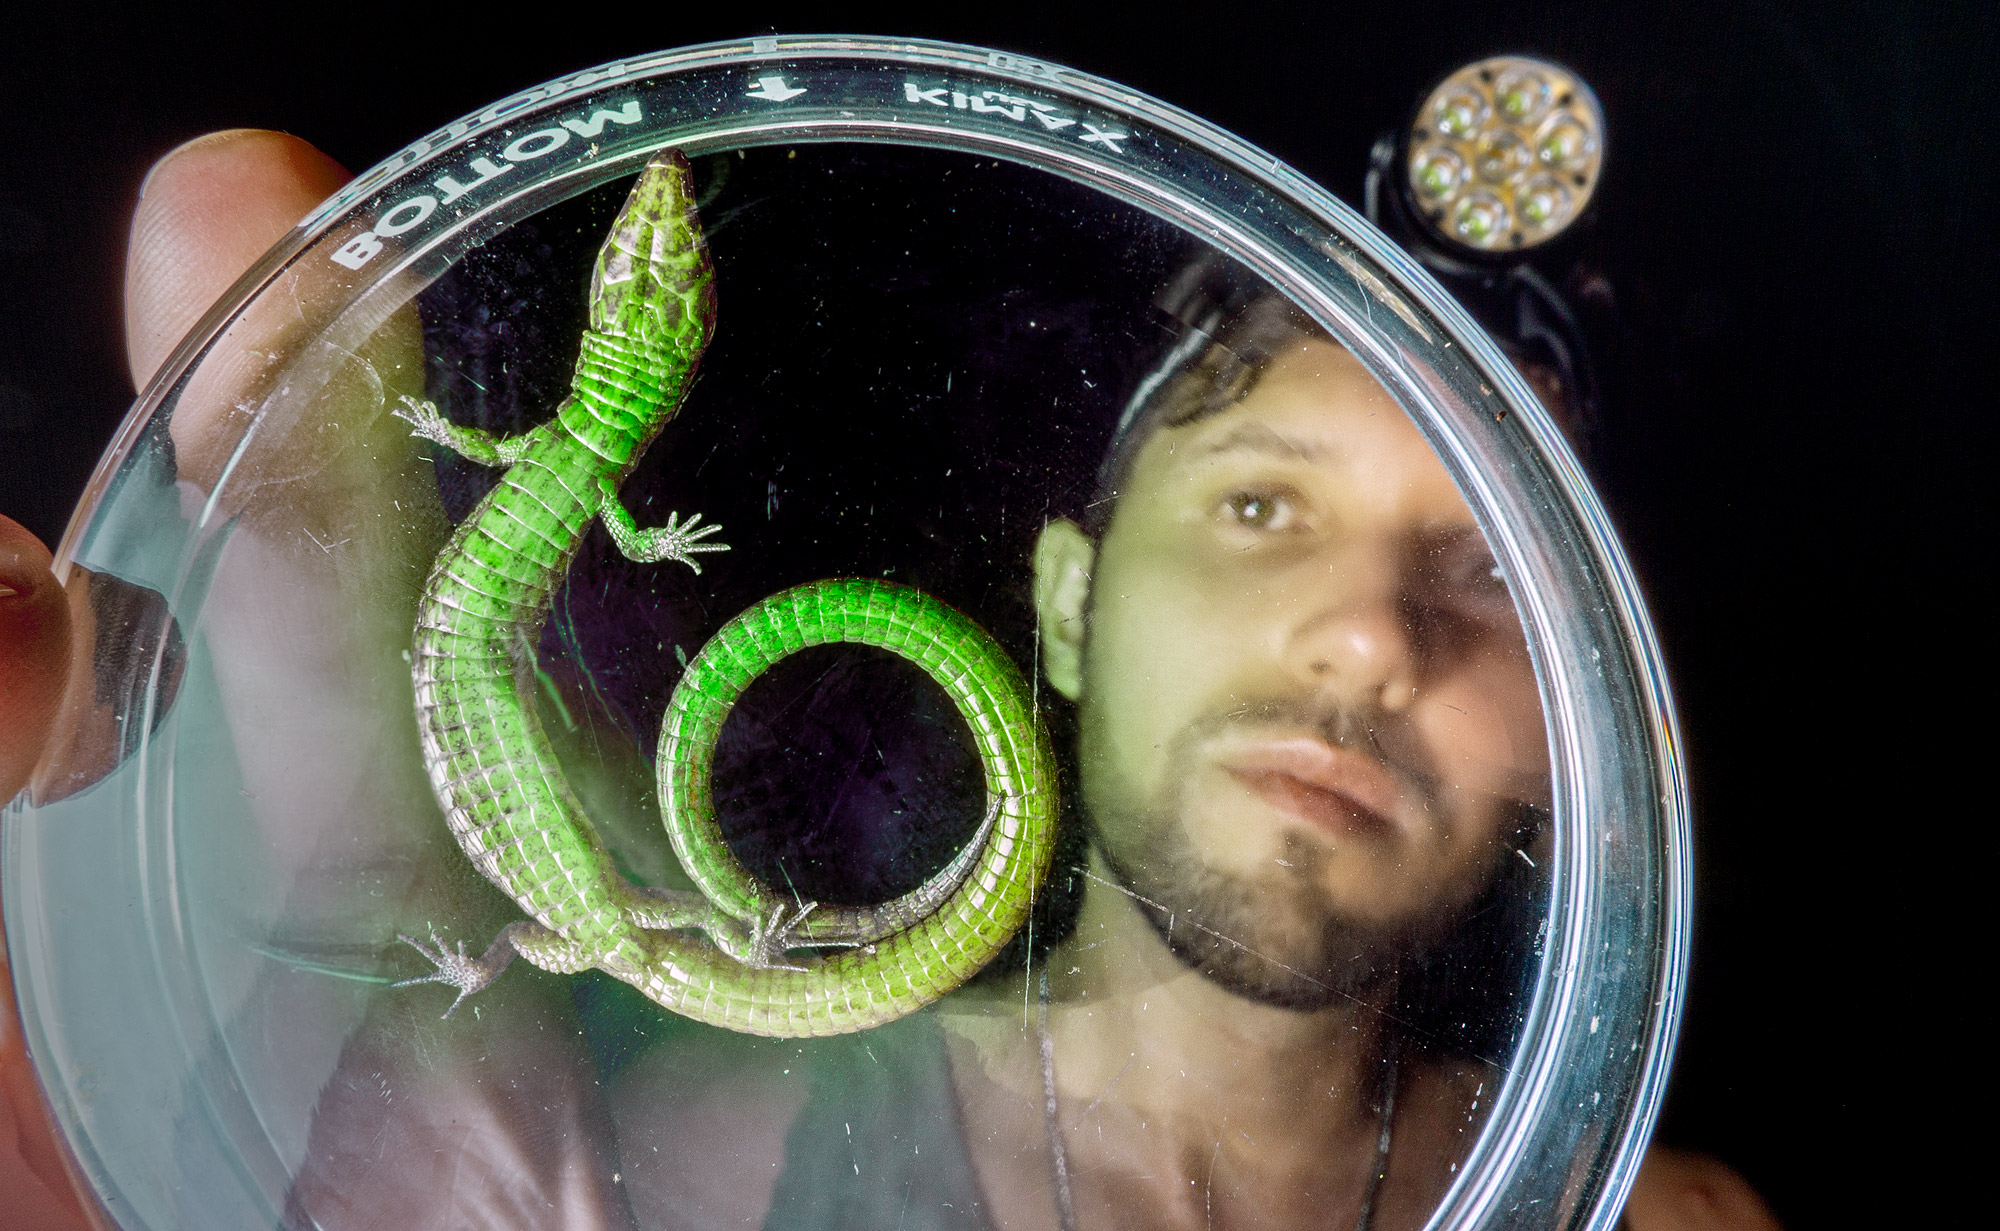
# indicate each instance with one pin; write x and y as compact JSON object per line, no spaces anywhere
{"x":1059,"y":1157}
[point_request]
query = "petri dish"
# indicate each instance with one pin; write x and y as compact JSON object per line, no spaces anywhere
{"x":1369,"y":826}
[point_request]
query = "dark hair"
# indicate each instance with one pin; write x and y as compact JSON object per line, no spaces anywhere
{"x":1226,"y":328}
{"x":1223,"y":336}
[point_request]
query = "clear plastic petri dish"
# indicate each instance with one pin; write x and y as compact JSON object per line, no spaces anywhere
{"x":1362,"y":815}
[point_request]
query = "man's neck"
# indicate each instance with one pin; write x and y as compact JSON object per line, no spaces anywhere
{"x":1122,"y":1002}
{"x":1166,"y":1083}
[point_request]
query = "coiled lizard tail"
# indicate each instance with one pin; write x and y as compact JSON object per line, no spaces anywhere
{"x":915,"y":949}
{"x":722,"y":958}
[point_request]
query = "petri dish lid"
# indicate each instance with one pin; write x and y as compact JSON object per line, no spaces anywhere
{"x":134,"y":996}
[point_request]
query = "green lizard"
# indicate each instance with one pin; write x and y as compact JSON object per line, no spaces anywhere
{"x":723,"y":955}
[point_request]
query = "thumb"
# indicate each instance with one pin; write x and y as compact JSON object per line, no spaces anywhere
{"x":34,"y":653}
{"x":207,"y":211}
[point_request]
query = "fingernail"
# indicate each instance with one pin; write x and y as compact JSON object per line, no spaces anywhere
{"x":226,"y":134}
{"x":17,"y":574}
{"x":24,"y":562}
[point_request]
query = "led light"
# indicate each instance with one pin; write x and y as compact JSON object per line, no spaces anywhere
{"x":1460,"y":113}
{"x":1437,"y":171}
{"x":1522,"y":95}
{"x":1481,"y":217}
{"x":1565,"y":144}
{"x":1543,"y":201}
{"x":1501,"y":155}
{"x":1505,"y":153}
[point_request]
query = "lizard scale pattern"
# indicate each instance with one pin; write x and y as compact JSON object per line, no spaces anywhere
{"x":729,"y":954}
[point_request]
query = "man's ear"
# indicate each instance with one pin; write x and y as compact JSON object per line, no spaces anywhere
{"x":1064,"y":556}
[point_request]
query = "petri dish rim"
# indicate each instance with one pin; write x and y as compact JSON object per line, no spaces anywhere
{"x":1616,"y":947}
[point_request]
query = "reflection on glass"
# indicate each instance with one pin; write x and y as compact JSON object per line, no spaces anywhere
{"x":1283,"y":960}
{"x":1279,"y":968}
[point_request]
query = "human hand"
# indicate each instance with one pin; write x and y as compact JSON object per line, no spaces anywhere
{"x":53,"y":739}
{"x":323,"y":516}
{"x":187,"y":246}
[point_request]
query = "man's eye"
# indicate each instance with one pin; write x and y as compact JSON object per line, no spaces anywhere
{"x":1476,"y":574}
{"x":1269,"y":511}
{"x":1479,"y":583}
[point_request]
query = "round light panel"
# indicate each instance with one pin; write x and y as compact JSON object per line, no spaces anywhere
{"x":1505,"y":154}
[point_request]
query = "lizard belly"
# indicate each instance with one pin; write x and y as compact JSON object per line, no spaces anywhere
{"x":497,"y":778}
{"x":494,"y":773}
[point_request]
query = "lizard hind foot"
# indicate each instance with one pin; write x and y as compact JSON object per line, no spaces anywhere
{"x":454,"y":968}
{"x":771,"y":937}
{"x":677,"y":540}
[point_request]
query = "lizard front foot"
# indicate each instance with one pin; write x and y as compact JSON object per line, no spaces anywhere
{"x":426,"y":421}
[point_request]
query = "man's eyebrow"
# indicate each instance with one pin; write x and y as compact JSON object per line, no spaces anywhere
{"x":1259,"y":438}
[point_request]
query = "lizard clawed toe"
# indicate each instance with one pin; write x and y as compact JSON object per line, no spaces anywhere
{"x":424,"y":419}
{"x":770,"y":938}
{"x":677,"y":540}
{"x":454,"y":969}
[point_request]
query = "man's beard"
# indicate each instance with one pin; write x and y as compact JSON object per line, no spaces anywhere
{"x":1296,"y":954}
{"x":1277,"y":941}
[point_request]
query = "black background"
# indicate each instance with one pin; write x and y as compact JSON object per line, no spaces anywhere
{"x":1796,"y":219}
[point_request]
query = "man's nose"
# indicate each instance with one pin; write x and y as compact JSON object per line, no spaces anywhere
{"x":1355,"y":644}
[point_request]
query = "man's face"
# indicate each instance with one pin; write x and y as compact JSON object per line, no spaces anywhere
{"x":1308,"y":720}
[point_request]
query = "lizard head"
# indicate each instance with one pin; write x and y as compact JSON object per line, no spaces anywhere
{"x":653,"y":282}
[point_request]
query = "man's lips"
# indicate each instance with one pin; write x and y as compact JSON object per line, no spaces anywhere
{"x":1333,"y":788}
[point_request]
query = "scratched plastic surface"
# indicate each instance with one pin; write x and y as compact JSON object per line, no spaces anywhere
{"x":1372,"y":832}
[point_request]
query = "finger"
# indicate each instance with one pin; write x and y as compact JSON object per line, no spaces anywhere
{"x":32,"y":1174}
{"x":207,"y":211}
{"x":319,"y":514}
{"x":34,"y":653}
{"x":1678,"y":1190}
{"x":309,"y":387}
{"x":34,"y":664}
